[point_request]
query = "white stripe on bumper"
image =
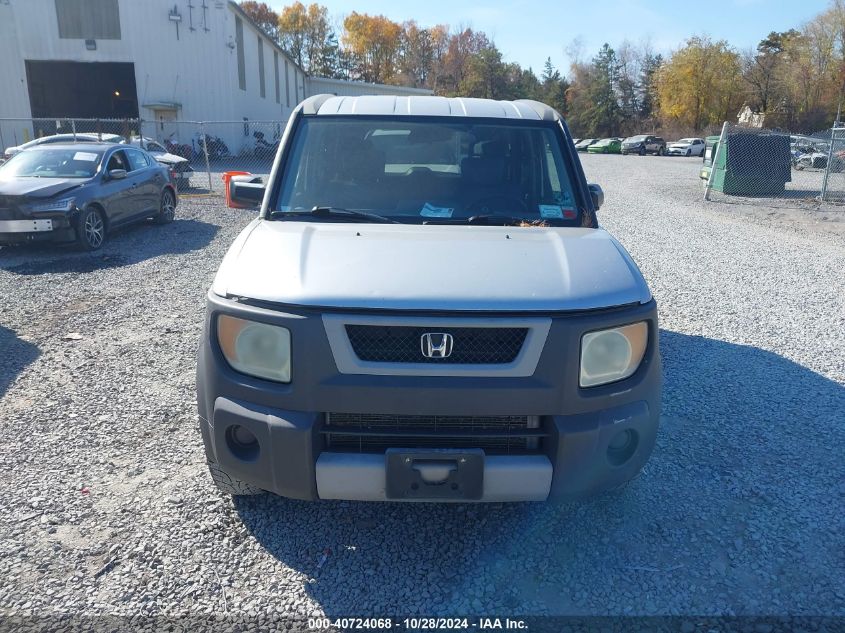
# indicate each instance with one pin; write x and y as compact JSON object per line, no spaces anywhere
{"x":25,"y":226}
{"x":361,"y":477}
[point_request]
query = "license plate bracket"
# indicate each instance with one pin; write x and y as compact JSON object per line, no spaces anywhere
{"x":434,"y":474}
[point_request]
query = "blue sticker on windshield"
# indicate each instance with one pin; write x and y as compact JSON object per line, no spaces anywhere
{"x":430,"y":211}
{"x":551,"y":211}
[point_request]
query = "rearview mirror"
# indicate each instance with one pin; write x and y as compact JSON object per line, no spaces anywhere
{"x":246,"y":193}
{"x":597,"y":194}
{"x":117,"y":174}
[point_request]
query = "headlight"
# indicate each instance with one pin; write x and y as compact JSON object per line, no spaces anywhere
{"x":63,"y":204}
{"x":256,"y":349}
{"x":611,"y":355}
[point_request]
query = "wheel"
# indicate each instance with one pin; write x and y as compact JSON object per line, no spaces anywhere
{"x":90,"y":229}
{"x":642,"y":151}
{"x":687,"y":154}
{"x":230,"y":485}
{"x":660,"y":151}
{"x":167,"y":208}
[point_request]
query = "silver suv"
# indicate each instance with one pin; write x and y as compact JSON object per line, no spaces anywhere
{"x":644,"y":144}
{"x":425,"y":309}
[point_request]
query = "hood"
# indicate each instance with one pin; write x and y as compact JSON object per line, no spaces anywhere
{"x":39,"y":187}
{"x":413,"y":267}
{"x":169,"y":159}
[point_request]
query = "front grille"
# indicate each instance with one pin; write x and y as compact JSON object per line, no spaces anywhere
{"x":373,"y":433}
{"x":403,"y":344}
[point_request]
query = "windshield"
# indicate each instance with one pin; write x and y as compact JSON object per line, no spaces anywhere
{"x":636,"y":139}
{"x":52,"y":163}
{"x":687,"y":140}
{"x":428,"y":170}
{"x":603,"y":142}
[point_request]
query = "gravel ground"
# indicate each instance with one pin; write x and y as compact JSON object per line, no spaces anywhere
{"x":107,"y":508}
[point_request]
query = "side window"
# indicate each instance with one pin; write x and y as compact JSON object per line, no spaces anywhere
{"x":117,"y":161}
{"x":155,"y":147}
{"x":137,"y":160}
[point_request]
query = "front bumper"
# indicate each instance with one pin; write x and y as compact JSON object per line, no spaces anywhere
{"x":573,"y":459}
{"x":51,"y":229}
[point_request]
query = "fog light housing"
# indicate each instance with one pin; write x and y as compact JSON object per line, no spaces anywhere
{"x":622,"y":447}
{"x":242,"y":442}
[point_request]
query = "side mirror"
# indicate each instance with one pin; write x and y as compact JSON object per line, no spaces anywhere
{"x":117,"y":174}
{"x":246,"y":193}
{"x":597,"y":194}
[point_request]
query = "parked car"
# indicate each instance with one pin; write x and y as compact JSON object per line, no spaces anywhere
{"x":606,"y":146}
{"x":179,"y":165}
{"x":584,"y":143}
{"x":816,"y":159}
{"x":78,"y":192}
{"x":82,"y":137}
{"x":643,"y":144}
{"x":426,"y":309}
{"x":686,"y":147}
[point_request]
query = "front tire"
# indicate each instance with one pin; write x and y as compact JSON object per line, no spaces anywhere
{"x":642,"y":151}
{"x":90,"y":229}
{"x":230,"y":485}
{"x":167,"y":208}
{"x":660,"y":151}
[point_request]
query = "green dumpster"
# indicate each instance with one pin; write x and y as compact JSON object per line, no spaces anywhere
{"x":750,"y":163}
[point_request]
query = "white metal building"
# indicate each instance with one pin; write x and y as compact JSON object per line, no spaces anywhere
{"x":162,"y":60}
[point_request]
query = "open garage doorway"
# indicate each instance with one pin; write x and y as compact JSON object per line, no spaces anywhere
{"x":90,"y":90}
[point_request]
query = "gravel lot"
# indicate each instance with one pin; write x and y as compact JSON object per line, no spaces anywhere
{"x":107,"y":507}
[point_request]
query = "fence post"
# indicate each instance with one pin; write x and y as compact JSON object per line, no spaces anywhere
{"x":205,"y":151}
{"x":713,"y":160}
{"x":829,"y":161}
{"x":73,"y":127}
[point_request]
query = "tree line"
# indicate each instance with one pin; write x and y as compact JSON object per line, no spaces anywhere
{"x":796,"y":78}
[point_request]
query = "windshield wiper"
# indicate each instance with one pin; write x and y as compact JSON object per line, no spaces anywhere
{"x":493,"y":218}
{"x":334,"y":212}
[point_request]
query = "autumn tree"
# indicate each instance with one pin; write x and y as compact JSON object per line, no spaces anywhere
{"x":461,"y":47}
{"x":374,"y":42}
{"x":264,"y":17}
{"x":485,"y":75}
{"x":307,"y":35}
{"x":416,"y":55}
{"x":699,"y":86}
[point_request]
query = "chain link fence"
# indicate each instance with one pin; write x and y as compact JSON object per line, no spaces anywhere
{"x":745,"y":165}
{"x":198,"y":152}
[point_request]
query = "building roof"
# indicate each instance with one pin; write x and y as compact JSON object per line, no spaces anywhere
{"x":429,"y":106}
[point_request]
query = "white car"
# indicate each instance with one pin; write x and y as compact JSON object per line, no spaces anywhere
{"x":85,"y":137}
{"x":178,"y":165}
{"x":686,"y":147}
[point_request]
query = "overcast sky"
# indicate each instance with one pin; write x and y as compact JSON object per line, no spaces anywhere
{"x":528,"y":32}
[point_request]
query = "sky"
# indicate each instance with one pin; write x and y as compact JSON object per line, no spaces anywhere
{"x":529,"y":32}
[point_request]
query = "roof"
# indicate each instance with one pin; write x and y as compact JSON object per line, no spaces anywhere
{"x":96,"y":145}
{"x":429,"y":106}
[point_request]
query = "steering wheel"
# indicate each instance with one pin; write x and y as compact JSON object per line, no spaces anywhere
{"x":506,"y":203}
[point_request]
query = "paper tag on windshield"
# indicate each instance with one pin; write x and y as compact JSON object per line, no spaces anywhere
{"x":86,"y":156}
{"x":551,"y":211}
{"x":430,"y":211}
